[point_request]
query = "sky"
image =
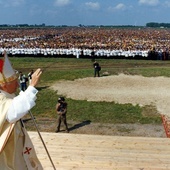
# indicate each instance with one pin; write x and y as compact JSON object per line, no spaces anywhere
{"x":84,"y":12}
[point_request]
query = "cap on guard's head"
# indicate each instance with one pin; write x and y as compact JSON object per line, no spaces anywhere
{"x":7,"y":73}
{"x":61,"y":99}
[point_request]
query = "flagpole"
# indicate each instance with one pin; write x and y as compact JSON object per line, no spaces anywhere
{"x":32,"y":117}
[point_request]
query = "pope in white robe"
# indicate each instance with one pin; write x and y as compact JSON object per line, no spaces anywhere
{"x":16,"y":149}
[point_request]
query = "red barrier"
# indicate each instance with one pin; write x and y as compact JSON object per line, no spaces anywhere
{"x":166,"y":124}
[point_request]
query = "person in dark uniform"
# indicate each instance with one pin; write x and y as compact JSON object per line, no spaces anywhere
{"x":61,"y":109}
{"x":30,"y":75}
{"x":97,"y":69}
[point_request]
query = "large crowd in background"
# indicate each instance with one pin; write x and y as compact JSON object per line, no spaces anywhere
{"x":147,"y":43}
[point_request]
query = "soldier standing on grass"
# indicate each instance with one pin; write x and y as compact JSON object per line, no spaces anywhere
{"x":61,"y":109}
{"x":97,"y":69}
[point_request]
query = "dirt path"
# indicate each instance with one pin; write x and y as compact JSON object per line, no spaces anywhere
{"x":121,"y":89}
{"x":87,"y":127}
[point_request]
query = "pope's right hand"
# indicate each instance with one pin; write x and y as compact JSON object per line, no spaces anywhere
{"x":36,"y":77}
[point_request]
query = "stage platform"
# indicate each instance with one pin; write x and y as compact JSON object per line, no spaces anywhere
{"x":96,"y":152}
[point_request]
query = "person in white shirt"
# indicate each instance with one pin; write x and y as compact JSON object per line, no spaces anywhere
{"x":23,"y":81}
{"x":16,"y":149}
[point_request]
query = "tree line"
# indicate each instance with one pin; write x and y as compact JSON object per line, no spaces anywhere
{"x":43,"y":25}
{"x":158,"y":25}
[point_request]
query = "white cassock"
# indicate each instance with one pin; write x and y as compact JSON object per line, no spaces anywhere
{"x":16,"y":149}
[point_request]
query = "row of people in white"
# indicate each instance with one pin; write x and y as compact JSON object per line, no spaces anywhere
{"x":75,"y":52}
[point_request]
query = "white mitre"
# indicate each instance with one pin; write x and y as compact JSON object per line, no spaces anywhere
{"x":7,"y":73}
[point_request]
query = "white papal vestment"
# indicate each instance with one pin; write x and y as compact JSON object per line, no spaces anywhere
{"x":16,"y":149}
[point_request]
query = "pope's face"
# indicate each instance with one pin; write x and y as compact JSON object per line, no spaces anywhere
{"x":10,"y":87}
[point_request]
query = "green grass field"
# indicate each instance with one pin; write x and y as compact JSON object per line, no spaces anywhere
{"x":56,"y":69}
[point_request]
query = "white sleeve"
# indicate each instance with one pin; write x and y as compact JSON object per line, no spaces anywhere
{"x":21,"y":104}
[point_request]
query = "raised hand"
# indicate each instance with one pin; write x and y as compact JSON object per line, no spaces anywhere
{"x":35,"y":77}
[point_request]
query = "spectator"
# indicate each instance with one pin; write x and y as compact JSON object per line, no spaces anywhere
{"x":23,"y":81}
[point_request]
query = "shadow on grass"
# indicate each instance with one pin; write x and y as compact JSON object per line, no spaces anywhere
{"x":79,"y":125}
{"x":41,"y":88}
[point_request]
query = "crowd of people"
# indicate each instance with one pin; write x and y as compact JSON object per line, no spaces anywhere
{"x":16,"y":148}
{"x":147,"y":43}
